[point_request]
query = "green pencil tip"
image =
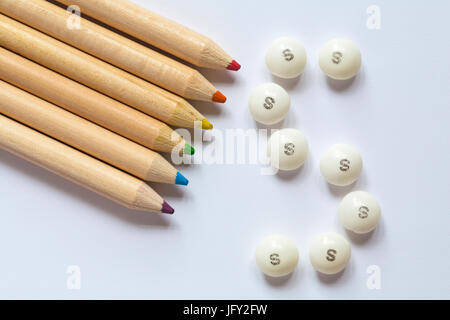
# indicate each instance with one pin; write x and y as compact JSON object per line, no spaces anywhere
{"x":188,"y":149}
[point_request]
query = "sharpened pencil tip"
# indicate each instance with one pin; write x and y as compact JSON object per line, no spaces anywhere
{"x":181,"y":180}
{"x":206,"y":125}
{"x":188,"y":149}
{"x":166,"y":208}
{"x":219,"y":97}
{"x":234,"y":66}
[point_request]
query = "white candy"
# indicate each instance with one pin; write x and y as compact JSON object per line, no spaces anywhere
{"x":341,"y":165}
{"x":359,"y":212}
{"x":286,"y":58}
{"x":329,"y":253}
{"x":277,"y":256}
{"x":269,"y":103}
{"x":287,"y":149}
{"x":340,"y":59}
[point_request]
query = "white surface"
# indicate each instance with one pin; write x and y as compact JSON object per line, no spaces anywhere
{"x":396,"y":112}
{"x":276,"y":255}
{"x":286,"y":57}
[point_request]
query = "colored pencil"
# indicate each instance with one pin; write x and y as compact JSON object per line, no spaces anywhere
{"x":79,"y":167}
{"x":98,"y":75}
{"x":86,"y":136}
{"x":90,"y":104}
{"x":157,"y":31}
{"x":113,"y":48}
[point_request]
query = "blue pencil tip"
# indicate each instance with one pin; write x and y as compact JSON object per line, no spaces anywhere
{"x":181,"y":180}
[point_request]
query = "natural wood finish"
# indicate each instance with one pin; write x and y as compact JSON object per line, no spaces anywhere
{"x":96,"y":74}
{"x":156,"y":30}
{"x":84,"y":135}
{"x":77,"y":167}
{"x":89,"y":104}
{"x":111,"y":47}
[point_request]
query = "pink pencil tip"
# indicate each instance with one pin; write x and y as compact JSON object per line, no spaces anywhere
{"x":234,"y":66}
{"x":166,"y":208}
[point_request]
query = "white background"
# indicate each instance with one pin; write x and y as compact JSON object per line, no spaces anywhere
{"x":396,"y":111}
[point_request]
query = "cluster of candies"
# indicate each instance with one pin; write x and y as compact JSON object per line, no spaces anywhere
{"x":287,"y":149}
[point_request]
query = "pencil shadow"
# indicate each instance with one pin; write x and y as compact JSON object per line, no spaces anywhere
{"x":218,"y":76}
{"x":208,"y":108}
{"x":77,"y":192}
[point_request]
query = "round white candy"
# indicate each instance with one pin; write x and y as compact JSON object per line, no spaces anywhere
{"x":286,"y":58}
{"x":277,"y":256}
{"x":340,"y":59}
{"x":269,"y":103}
{"x":359,"y":212}
{"x":341,"y":165}
{"x":329,"y":253}
{"x":287,"y":149}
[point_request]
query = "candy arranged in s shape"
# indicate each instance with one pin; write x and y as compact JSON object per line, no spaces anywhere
{"x":277,"y":255}
{"x":329,"y":252}
{"x":287,"y":149}
{"x":340,"y":59}
{"x":269,"y":103}
{"x":341,"y":164}
{"x":286,"y":57}
{"x":359,"y":212}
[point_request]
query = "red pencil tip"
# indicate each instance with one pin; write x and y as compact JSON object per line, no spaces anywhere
{"x":166,"y":208}
{"x":219,"y":97}
{"x":234,"y":66}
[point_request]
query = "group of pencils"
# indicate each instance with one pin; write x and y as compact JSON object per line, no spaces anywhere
{"x":94,"y":106}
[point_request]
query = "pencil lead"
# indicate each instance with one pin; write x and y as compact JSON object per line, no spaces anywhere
{"x":234,"y":66}
{"x":219,"y":97}
{"x":206,"y":125}
{"x":181,"y":180}
{"x":188,"y":149}
{"x":166,"y":208}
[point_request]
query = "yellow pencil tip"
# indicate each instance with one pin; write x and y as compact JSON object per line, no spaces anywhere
{"x":206,"y":125}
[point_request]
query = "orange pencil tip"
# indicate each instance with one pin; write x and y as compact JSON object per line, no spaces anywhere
{"x":219,"y":97}
{"x":234,"y":66}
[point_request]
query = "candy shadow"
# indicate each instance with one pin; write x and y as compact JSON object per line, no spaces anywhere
{"x":329,"y":278}
{"x":343,"y":85}
{"x":288,"y":84}
{"x":340,"y":192}
{"x":292,"y":174}
{"x":278,"y":281}
{"x":79,"y":193}
{"x":359,"y":239}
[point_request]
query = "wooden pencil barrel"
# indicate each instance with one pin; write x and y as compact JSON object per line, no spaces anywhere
{"x":156,"y":30}
{"x":84,"y":135}
{"x":87,"y":103}
{"x":77,"y":167}
{"x":111,"y":47}
{"x":96,"y":74}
